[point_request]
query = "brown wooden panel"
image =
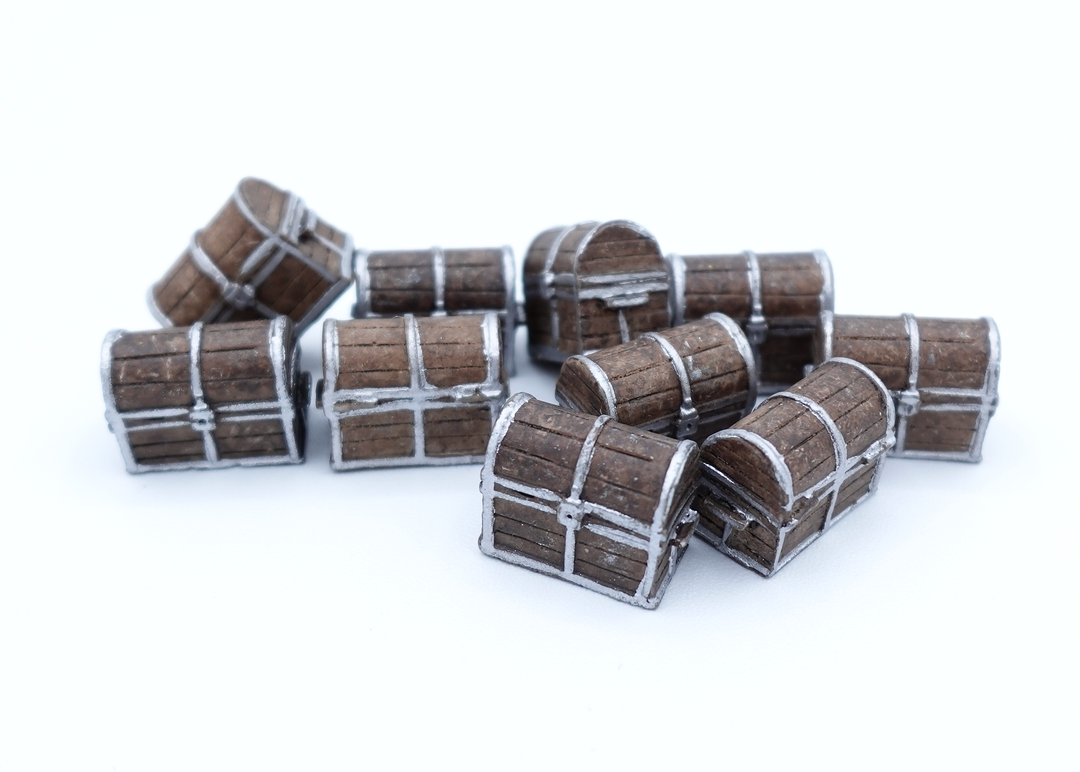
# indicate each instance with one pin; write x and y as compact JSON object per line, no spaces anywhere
{"x":554,"y":542}
{"x":453,"y":350}
{"x":941,"y":430}
{"x":511,"y":543}
{"x":810,"y":525}
{"x":461,"y":431}
{"x":748,"y":466}
{"x":379,"y":435}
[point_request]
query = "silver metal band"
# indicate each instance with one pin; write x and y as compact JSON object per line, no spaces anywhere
{"x":756,"y":326}
{"x":604,"y":382}
{"x":687,"y":423}
{"x":677,"y":298}
{"x":201,"y":416}
{"x":839,"y":446}
{"x":826,"y":298}
{"x":438,"y":270}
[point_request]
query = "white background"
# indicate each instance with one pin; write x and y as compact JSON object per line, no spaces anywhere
{"x":292,"y":618}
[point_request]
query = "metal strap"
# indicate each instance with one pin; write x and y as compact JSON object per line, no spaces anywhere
{"x":570,"y":510}
{"x":417,"y":381}
{"x":687,"y":424}
{"x":201,"y":416}
{"x":603,"y":381}
{"x":756,"y":326}
{"x":677,"y":299}
{"x":838,"y":441}
{"x":438,"y":269}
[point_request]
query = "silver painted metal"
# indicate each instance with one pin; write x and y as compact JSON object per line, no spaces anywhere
{"x":509,"y":315}
{"x":261,"y":263}
{"x":419,"y":396}
{"x":756,"y":327}
{"x":203,"y":418}
{"x":677,"y":296}
{"x":738,"y":506}
{"x":688,"y":413}
{"x":654,"y":539}
{"x":616,"y":291}
{"x":913,"y":399}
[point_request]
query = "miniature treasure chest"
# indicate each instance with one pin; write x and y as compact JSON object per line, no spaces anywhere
{"x":600,"y":504}
{"x":779,"y":477}
{"x":439,"y":282}
{"x":206,"y":396}
{"x":685,"y":382}
{"x":409,"y":391}
{"x":943,"y":374}
{"x":776,"y":299}
{"x":591,"y":286}
{"x":263,"y":255}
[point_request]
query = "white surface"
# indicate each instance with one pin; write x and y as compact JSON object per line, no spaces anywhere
{"x":290,"y":618}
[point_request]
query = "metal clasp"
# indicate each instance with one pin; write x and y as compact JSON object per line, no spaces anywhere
{"x":239,"y":295}
{"x":756,"y":329}
{"x":907,"y":402}
{"x":627,"y":301}
{"x":570,"y":514}
{"x":202,"y":417}
{"x":688,"y":421}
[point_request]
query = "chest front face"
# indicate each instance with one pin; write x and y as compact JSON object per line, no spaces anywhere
{"x":588,"y":500}
{"x":205,"y":396}
{"x":942,"y":373}
{"x":410,"y":391}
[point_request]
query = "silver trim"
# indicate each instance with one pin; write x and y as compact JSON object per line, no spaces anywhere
{"x":677,"y":298}
{"x":438,"y":280}
{"x":686,"y":425}
{"x":757,"y":328}
{"x":362,"y":307}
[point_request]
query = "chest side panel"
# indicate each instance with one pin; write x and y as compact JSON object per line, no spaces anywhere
{"x":579,"y":388}
{"x":748,"y":467}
